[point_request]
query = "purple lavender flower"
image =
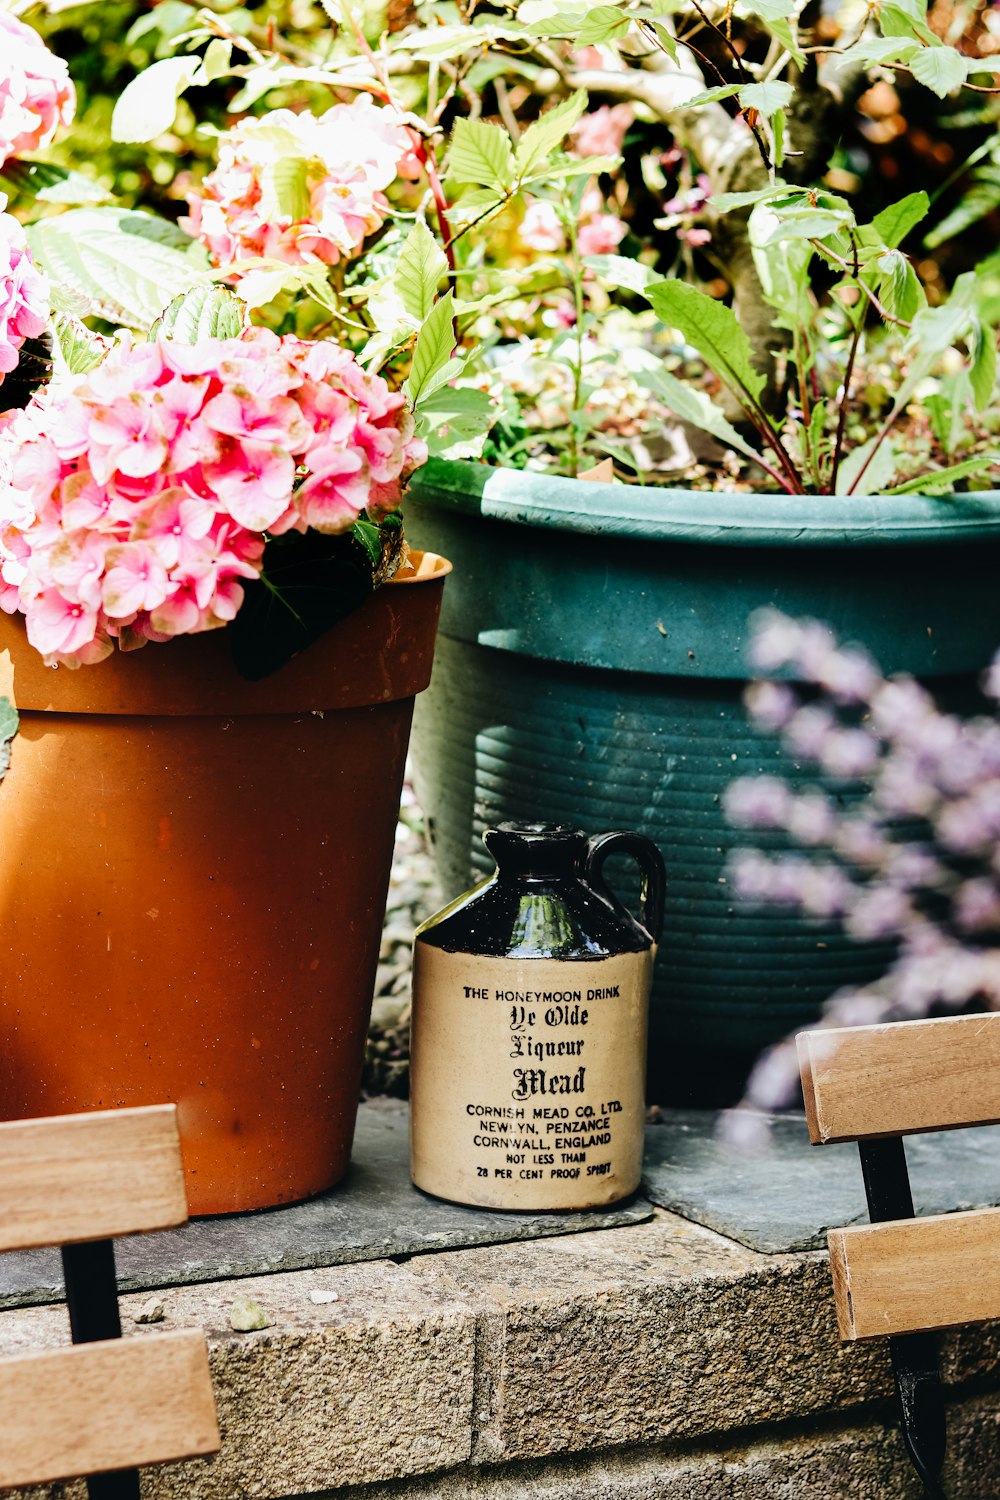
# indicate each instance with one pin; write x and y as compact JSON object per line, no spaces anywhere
{"x":758,"y":802}
{"x":934,"y":888}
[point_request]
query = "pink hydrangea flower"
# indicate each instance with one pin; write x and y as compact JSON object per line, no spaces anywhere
{"x":541,"y":228}
{"x":135,"y":500}
{"x":36,"y":93}
{"x":24,"y":297}
{"x":599,"y":233}
{"x":252,"y":205}
{"x":602,"y":132}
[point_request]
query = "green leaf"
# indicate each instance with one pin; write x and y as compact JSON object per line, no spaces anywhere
{"x":983,"y":371}
{"x":168,"y":18}
{"x":48,"y":183}
{"x":941,"y":69}
{"x":711,"y":328}
{"x":906,"y":21}
{"x":482,"y":155}
{"x":600,"y":24}
{"x":8,"y":729}
{"x":454,"y":422}
{"x":619,"y":270}
{"x":217,"y":61}
{"x":285,"y":189}
{"x":981,"y":199}
{"x":78,"y":348}
{"x":148,"y":105}
{"x":854,"y":478}
{"x":778,"y":133}
{"x":208,"y":311}
{"x":784,"y":277}
{"x":547,"y":133}
{"x":693,"y":406}
{"x":777,"y":16}
{"x":433,"y":351}
{"x":710,"y":96}
{"x":884,"y":50}
{"x":667,"y":41}
{"x":125,"y":265}
{"x":766,"y":98}
{"x":897,"y":284}
{"x":475,"y":205}
{"x":419,"y":271}
{"x":939,"y":481}
{"x":894,"y":223}
{"x":724,"y":203}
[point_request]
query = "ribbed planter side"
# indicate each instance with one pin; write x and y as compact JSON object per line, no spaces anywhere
{"x":590,"y":669}
{"x":193,"y":873}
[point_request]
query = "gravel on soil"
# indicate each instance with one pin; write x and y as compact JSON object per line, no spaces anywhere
{"x":414,"y":895}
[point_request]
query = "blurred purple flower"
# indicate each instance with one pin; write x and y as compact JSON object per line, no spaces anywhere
{"x":848,"y":754}
{"x":771,"y":704}
{"x":758,"y":802}
{"x":977,"y":906}
{"x":877,"y":913}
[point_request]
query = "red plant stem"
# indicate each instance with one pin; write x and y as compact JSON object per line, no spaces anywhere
{"x":424,"y":152}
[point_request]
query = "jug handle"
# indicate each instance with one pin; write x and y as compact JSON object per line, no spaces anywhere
{"x":652,"y":888}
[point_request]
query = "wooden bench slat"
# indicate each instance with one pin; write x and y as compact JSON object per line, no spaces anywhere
{"x":86,"y":1177}
{"x":94,"y":1407}
{"x":938,"y":1271}
{"x":862,"y":1082}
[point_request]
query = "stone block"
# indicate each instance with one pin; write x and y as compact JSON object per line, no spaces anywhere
{"x":376,"y":1385}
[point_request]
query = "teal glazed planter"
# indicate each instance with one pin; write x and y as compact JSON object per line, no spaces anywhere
{"x":590,"y":668}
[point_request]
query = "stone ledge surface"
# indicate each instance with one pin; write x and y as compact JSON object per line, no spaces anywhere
{"x":564,"y":1350}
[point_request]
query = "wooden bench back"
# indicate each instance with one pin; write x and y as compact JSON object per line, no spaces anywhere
{"x":90,"y":1177}
{"x":865,"y":1083}
{"x":117,"y":1403}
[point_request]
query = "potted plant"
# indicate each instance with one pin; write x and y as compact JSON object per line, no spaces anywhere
{"x":197,"y":821}
{"x":530,"y":265}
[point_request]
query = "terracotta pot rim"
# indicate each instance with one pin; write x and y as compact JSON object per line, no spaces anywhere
{"x":381,"y":653}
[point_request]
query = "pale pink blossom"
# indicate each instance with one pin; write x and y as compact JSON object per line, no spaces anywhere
{"x":601,"y":235}
{"x":541,"y":228}
{"x":602,"y":132}
{"x":36,"y":93}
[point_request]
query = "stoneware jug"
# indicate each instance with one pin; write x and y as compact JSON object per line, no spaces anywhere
{"x":530,"y":1001}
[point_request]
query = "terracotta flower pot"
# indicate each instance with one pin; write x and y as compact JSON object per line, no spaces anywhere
{"x":193,"y":871}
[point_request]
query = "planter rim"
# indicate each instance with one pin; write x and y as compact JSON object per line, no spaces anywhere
{"x":379,"y":654}
{"x":653,"y":514}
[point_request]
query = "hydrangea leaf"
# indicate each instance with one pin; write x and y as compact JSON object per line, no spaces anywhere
{"x":79,"y":349}
{"x":421,"y":265}
{"x":125,"y":265}
{"x":47,"y":183}
{"x":208,"y":311}
{"x":148,"y":104}
{"x":435,"y":343}
{"x":454,"y":421}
